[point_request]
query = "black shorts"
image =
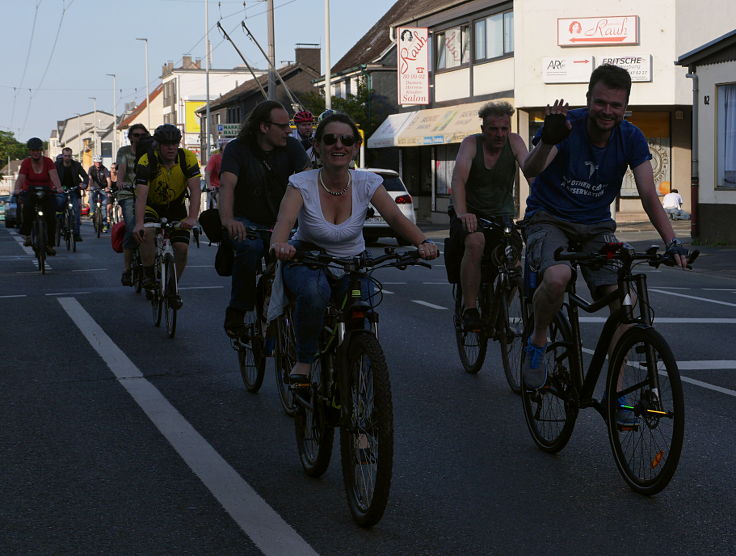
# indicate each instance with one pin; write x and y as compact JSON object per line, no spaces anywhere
{"x":458,"y":233}
{"x":171,"y":213}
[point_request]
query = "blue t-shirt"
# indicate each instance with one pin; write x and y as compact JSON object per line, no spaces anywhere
{"x":583,"y":180}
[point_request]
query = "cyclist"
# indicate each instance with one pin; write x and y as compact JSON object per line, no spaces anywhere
{"x":125,"y":162}
{"x":161,"y":183}
{"x":255,"y":170}
{"x":579,"y":161}
{"x":38,"y":171}
{"x":99,"y":184}
{"x":304,"y":122}
{"x":72,"y":174}
{"x":212,"y":174}
{"x":483,"y":186}
{"x":331,"y":204}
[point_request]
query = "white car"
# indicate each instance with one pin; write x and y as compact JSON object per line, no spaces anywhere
{"x":375,"y":226}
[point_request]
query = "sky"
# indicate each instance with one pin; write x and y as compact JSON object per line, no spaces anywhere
{"x":57,"y":52}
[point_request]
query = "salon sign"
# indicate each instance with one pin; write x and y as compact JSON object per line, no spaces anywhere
{"x":413,"y":65}
{"x":598,"y":31}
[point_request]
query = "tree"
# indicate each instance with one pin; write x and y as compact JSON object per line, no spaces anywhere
{"x":357,"y":106}
{"x":10,"y":147}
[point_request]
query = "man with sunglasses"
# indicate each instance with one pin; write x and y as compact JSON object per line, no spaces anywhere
{"x":125,"y":160}
{"x":255,"y":171}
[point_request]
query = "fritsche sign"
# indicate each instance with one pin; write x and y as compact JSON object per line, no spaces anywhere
{"x":586,"y":31}
{"x":413,"y":65}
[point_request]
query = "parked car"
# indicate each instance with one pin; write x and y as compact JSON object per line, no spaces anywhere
{"x":84,"y":210}
{"x":4,"y":200}
{"x":375,"y":226}
{"x":10,"y":210}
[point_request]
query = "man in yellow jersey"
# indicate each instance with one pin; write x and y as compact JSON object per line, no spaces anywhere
{"x":162,"y":178}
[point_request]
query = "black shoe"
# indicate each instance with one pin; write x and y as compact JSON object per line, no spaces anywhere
{"x":126,"y":279}
{"x":175,"y":301}
{"x":471,"y":319}
{"x":78,"y":238}
{"x":50,"y":251}
{"x":234,"y":326}
{"x":298,"y":381}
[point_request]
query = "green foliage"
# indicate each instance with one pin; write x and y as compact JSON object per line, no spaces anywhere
{"x":10,"y":147}
{"x":357,"y":106}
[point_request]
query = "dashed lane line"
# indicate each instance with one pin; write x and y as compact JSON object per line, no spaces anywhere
{"x":267,"y":529}
{"x":430,"y":305}
{"x":696,"y":298}
{"x":671,"y":320}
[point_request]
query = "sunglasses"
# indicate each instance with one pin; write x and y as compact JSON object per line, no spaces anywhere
{"x":331,"y":139}
{"x":138,"y":135}
{"x":287,"y":125}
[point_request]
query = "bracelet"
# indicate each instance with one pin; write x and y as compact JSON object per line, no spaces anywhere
{"x":427,"y":241}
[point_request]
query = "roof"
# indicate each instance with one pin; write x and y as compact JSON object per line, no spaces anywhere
{"x":138,"y":109}
{"x":707,"y":53}
{"x":251,"y":86}
{"x":372,"y":46}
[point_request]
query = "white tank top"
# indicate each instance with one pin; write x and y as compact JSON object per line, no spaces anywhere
{"x":339,"y":240}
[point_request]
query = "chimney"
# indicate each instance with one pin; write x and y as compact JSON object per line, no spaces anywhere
{"x":186,"y":62}
{"x":198,"y":63}
{"x":309,"y":55}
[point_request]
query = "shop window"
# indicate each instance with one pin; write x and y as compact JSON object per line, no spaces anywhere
{"x":726,"y":147}
{"x":452,"y":47}
{"x":656,"y":128}
{"x":494,"y":36}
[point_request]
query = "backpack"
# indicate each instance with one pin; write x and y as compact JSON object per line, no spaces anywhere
{"x":116,"y":236}
{"x":153,"y":160}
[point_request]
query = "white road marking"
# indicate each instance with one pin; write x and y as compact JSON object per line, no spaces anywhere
{"x":671,"y":320}
{"x":201,"y":287}
{"x":270,"y":533}
{"x":430,"y":305}
{"x":708,"y":386}
{"x":693,"y":297}
{"x":395,"y":283}
{"x":387,"y":292}
{"x":445,"y":283}
{"x":66,"y":293}
{"x":12,"y":296}
{"x":88,"y":269}
{"x":719,"y":290}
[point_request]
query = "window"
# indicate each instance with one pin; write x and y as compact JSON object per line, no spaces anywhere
{"x":494,"y":36}
{"x":726,"y":135}
{"x":453,"y":47}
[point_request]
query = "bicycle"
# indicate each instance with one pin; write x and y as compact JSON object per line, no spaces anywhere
{"x":98,"y":218}
{"x":116,"y":212}
{"x":500,"y":304}
{"x":350,"y":389}
{"x":69,"y":220}
{"x":136,"y":271}
{"x":643,"y":405}
{"x":39,"y":231}
{"x":166,"y":290}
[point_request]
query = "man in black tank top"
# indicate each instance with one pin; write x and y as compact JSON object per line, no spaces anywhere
{"x":483,"y":186}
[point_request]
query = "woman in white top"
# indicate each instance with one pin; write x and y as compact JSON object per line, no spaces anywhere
{"x":331,"y":205}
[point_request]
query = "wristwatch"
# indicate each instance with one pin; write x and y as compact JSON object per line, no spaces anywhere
{"x":675,"y":242}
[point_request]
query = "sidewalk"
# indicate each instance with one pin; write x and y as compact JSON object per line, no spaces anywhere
{"x":712,"y":259}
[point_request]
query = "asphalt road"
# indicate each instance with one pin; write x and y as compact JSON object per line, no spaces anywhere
{"x":116,"y":439}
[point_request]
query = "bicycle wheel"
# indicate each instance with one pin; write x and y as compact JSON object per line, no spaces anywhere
{"x":59,"y":228}
{"x":314,"y":435}
{"x":550,"y":412}
{"x":39,"y":242}
{"x":250,"y":355}
{"x":367,"y":430}
{"x":136,"y":271}
{"x":645,"y":410}
{"x":98,"y":222}
{"x":67,"y":231}
{"x":156,"y":296}
{"x":471,"y":344}
{"x":170,"y":291}
{"x":284,"y":360}
{"x":511,"y":334}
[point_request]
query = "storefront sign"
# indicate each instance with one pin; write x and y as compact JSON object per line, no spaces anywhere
{"x":587,"y":31}
{"x":639,"y":66}
{"x":413,"y":65}
{"x":567,"y":69}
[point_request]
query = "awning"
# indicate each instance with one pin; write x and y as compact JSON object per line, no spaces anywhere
{"x":388,"y":132}
{"x":436,"y":126}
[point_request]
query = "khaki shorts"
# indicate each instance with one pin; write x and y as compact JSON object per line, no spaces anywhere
{"x":546,"y":233}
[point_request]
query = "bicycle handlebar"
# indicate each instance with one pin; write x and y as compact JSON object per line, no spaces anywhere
{"x":506,"y":223}
{"x":625,"y":253}
{"x":398,"y":260}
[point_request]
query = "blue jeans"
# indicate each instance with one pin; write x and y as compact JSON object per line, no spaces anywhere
{"x":312,"y":291}
{"x":128,"y":207}
{"x":248,"y":254}
{"x":93,"y":203}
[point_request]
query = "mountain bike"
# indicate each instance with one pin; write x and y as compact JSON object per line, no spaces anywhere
{"x":350,"y":388}
{"x":500,"y":303}
{"x":163,"y":295}
{"x":643,"y":405}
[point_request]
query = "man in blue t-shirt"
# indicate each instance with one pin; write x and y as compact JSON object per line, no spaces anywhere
{"x":578,"y":162}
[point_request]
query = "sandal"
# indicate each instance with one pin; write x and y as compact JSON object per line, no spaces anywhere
{"x":234,"y":325}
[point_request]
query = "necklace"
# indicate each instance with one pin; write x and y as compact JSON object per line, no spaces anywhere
{"x":335,"y":193}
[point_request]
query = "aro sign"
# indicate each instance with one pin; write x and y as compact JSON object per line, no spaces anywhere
{"x":587,"y":31}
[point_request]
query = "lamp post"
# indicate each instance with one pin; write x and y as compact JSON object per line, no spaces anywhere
{"x":94,"y":125}
{"x":148,"y":98}
{"x":328,"y":70}
{"x":206,"y":154}
{"x":114,"y":115}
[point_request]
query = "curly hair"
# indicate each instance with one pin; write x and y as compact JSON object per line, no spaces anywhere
{"x":496,"y":110}
{"x":259,"y":115}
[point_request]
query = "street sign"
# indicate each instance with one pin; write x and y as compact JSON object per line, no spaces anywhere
{"x":638,"y":65}
{"x":228,"y":130}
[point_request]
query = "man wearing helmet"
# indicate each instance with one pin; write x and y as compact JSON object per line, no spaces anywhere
{"x":304,"y":122}
{"x":162,"y":179}
{"x":99,"y":185}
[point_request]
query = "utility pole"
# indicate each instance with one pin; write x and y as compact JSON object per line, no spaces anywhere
{"x":328,"y":70}
{"x":271,"y":54}
{"x":94,"y":125}
{"x":148,"y":89}
{"x":114,"y":116}
{"x":206,"y":154}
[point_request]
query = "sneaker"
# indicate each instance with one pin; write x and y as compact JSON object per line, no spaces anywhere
{"x":175,"y":301}
{"x":471,"y":319}
{"x":126,"y":279}
{"x":50,"y":251}
{"x":534,"y":370}
{"x":149,"y":284}
{"x":298,"y":381}
{"x":27,"y":242}
{"x":78,"y":238}
{"x":625,"y":417}
{"x":234,"y":325}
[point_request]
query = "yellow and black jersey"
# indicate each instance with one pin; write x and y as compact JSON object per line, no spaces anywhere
{"x":167,"y":185}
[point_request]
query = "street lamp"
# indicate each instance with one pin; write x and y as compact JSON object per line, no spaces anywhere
{"x":94,"y":125}
{"x":328,"y":69}
{"x":148,"y":98}
{"x":114,"y":115}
